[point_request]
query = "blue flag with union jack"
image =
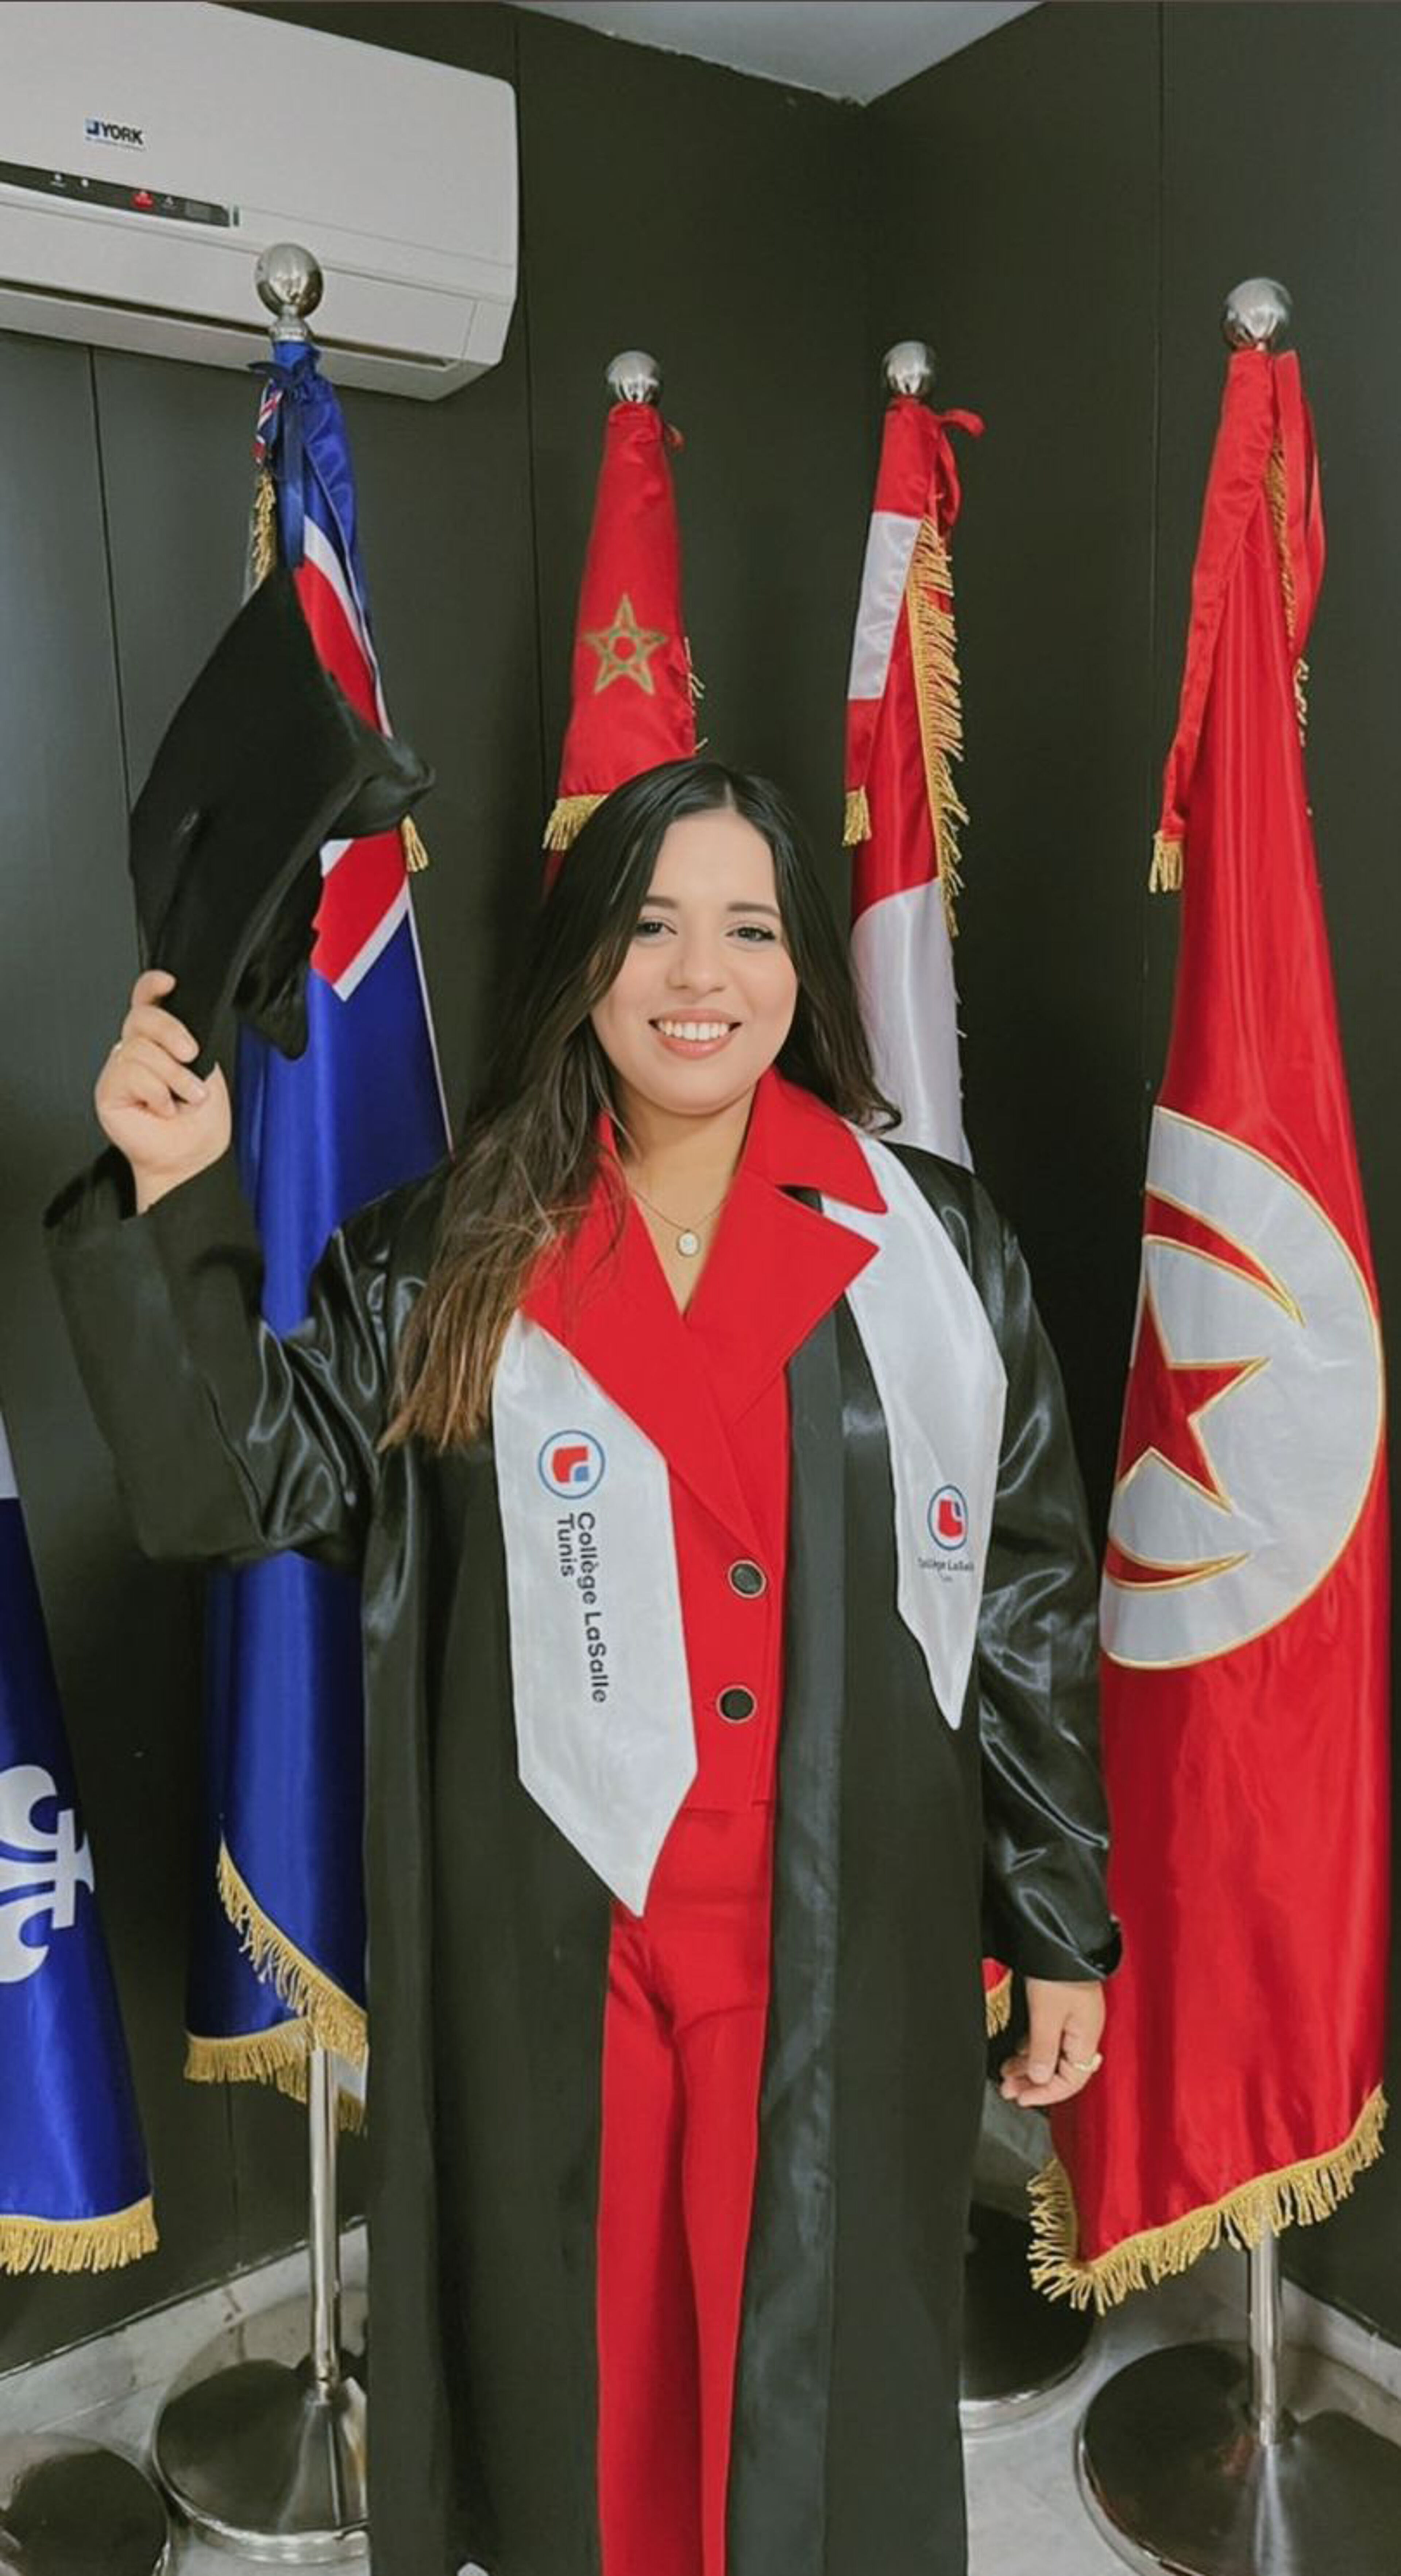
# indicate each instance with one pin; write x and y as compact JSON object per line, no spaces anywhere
{"x":282,"y":1962}
{"x":75,"y":2194}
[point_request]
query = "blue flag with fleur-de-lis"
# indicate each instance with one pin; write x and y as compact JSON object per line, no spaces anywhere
{"x":75,"y":2193}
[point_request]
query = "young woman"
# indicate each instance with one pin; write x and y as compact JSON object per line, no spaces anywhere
{"x":729,"y":1626}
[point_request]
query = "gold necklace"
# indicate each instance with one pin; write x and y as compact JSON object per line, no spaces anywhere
{"x":687,"y":1236}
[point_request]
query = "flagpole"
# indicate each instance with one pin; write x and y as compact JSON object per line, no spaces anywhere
{"x":1266,"y":2337}
{"x":268,"y":2456}
{"x":323,"y":2237}
{"x":1189,"y":2459}
{"x":261,"y":2454}
{"x":70,"y":2508}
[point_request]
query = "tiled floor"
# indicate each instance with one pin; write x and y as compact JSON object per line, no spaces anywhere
{"x":1025,"y":2511}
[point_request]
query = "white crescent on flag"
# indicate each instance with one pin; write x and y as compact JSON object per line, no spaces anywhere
{"x":1254,"y":1409}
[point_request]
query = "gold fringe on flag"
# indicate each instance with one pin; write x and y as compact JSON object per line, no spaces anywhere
{"x":1165,"y":874}
{"x":857,"y":826}
{"x":416,"y":858}
{"x":1276,"y":487}
{"x":265,"y":2057}
{"x":1277,"y":492}
{"x":567,"y":820}
{"x":262,"y":529}
{"x":938,"y":696}
{"x":998,"y":2003}
{"x":332,"y":2019}
{"x":254,"y":2057}
{"x":1296,"y":2195}
{"x":78,"y":2244}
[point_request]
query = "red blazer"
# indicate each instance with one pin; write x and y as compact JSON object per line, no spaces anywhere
{"x":708,"y":1387}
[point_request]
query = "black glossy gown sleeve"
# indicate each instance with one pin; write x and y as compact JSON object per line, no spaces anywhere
{"x":230,"y":1443}
{"x":1045,"y":1824}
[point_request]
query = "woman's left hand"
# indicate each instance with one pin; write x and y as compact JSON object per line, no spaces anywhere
{"x":1061,"y":2049}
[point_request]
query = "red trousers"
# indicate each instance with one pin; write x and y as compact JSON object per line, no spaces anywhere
{"x":683,"y":2039}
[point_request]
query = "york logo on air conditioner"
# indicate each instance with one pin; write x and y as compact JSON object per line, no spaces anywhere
{"x":98,"y":130}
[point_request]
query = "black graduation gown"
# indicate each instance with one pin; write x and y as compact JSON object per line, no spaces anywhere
{"x":904,"y":1849}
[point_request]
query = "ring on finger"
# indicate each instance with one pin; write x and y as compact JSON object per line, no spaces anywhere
{"x":1084,"y":2065}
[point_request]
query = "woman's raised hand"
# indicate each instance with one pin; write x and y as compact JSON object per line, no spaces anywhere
{"x":157,"y":1112}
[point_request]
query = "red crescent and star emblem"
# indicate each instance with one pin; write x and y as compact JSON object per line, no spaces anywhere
{"x":1168,"y":1397}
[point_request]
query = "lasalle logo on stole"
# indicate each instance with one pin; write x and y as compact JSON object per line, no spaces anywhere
{"x":573,"y":1464}
{"x":946,"y":1520}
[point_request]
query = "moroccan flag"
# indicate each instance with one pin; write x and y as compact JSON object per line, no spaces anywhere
{"x":904,"y":726}
{"x":359,"y":1112}
{"x":75,"y":2195}
{"x":1245,"y":1588}
{"x":903,"y":729}
{"x":632,"y":698}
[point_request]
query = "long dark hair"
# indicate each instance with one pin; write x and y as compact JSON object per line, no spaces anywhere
{"x":528,"y":1158}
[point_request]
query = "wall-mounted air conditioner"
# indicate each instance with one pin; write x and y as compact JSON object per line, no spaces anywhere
{"x":151,"y":149}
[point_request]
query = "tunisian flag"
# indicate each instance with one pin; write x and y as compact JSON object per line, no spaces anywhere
{"x":1244,"y":1613}
{"x":903,"y":728}
{"x":632,"y":690}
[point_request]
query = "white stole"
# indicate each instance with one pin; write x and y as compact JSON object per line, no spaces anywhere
{"x":604,"y":1730}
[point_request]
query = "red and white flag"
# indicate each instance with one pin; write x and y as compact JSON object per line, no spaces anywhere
{"x":902,"y":811}
{"x":1244,"y":1611}
{"x":904,"y":727}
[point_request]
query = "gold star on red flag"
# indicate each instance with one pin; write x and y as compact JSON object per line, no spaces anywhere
{"x":625,"y":649}
{"x":1164,"y":1405}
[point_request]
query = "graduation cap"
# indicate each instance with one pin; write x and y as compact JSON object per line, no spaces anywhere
{"x":263,"y":760}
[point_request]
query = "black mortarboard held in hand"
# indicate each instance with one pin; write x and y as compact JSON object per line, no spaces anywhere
{"x":263,"y":761}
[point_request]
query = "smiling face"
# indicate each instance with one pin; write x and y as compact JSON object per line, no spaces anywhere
{"x":705,"y":996}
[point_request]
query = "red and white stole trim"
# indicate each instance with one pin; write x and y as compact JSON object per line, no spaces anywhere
{"x":942,"y":1388}
{"x":604,"y":1727}
{"x":604,"y":1735}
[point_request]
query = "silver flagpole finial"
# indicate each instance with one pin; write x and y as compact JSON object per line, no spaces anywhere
{"x":908,"y":368}
{"x":634,"y":376}
{"x":290,"y":282}
{"x":1254,"y":311}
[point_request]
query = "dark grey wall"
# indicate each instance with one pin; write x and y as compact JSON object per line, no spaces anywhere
{"x":1062,"y":209}
{"x":664,"y":202}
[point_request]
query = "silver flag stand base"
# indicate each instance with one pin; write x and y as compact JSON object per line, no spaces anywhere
{"x":263,"y":2456}
{"x":1187,"y":2461}
{"x":1018,"y":2347}
{"x":69,"y":2508}
{"x":260,"y":2461}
